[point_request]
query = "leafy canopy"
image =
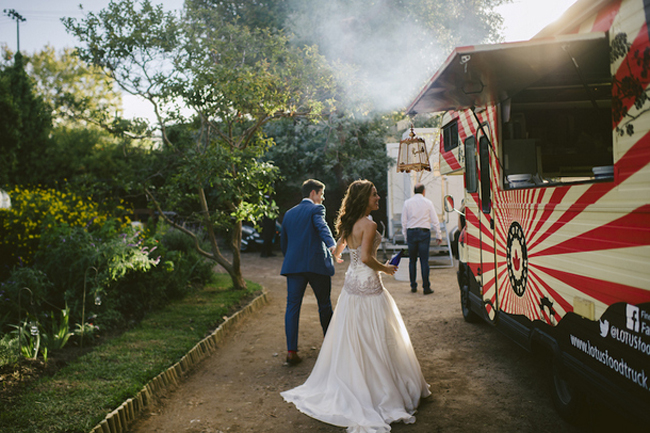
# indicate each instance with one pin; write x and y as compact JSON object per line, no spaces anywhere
{"x":213,"y":84}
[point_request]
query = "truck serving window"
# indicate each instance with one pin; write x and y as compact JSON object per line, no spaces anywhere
{"x":450,"y":135}
{"x":556,"y":102}
{"x":557,"y":136}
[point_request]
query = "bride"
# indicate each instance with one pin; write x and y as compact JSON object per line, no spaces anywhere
{"x":366,"y":375}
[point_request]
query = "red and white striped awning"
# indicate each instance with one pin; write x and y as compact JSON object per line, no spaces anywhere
{"x":476,"y":76}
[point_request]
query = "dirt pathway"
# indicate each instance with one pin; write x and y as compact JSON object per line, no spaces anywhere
{"x":481,"y":382}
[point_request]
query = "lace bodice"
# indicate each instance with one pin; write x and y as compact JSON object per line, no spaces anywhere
{"x":360,"y":279}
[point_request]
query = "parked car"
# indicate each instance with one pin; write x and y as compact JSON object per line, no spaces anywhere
{"x":251,"y":239}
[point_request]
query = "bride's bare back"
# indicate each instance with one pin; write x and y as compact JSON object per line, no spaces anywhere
{"x":363,"y":234}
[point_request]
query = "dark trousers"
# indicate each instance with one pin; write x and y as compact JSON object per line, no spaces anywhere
{"x":296,"y":286}
{"x":268,"y":233}
{"x":418,"y":241}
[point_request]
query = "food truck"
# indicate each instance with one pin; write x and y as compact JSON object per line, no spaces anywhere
{"x":552,"y":138}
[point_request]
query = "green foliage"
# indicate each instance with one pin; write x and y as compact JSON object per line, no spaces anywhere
{"x":35,"y":210}
{"x":88,"y":265}
{"x":25,"y":125}
{"x":337,"y":151}
{"x":92,"y":163}
{"x":87,"y":331}
{"x":134,"y":47}
{"x":29,"y":337}
{"x":259,"y":14}
{"x":109,"y":274}
{"x":116,"y":269}
{"x":232,"y":194}
{"x":60,"y":330}
{"x":74,"y":89}
{"x":235,"y":78}
{"x":9,"y":350}
{"x":80,"y":395}
{"x":26,"y":291}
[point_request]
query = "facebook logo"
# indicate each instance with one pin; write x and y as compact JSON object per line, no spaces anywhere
{"x":632,"y":313}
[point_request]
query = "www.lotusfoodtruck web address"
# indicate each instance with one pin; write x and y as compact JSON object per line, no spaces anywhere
{"x":619,"y":365}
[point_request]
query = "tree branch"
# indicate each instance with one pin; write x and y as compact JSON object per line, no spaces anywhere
{"x":179,"y":227}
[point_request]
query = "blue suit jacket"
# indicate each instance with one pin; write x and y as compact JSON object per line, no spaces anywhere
{"x":305,"y":240}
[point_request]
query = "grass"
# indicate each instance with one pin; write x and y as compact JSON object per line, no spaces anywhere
{"x":80,"y":395}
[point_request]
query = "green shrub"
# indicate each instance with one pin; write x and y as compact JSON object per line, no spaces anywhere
{"x":108,"y":278}
{"x":27,"y":291}
{"x":35,"y":210}
{"x":8,"y":350}
{"x":94,"y":267}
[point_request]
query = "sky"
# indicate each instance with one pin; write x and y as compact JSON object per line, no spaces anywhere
{"x":523,"y":19}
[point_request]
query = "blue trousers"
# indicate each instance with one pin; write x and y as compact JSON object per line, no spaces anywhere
{"x":418,"y":241}
{"x":296,"y":286}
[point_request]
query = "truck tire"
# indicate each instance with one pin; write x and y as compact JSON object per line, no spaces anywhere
{"x":469,"y":315}
{"x":567,"y":398}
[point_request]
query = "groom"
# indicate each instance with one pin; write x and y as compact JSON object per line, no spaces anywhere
{"x":307,"y":245}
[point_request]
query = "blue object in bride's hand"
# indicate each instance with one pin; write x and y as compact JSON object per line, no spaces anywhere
{"x":396,"y":258}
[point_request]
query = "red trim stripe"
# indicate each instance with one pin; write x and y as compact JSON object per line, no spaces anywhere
{"x":606,"y":17}
{"x":606,"y":292}
{"x":539,"y":280}
{"x":632,"y":230}
{"x":450,"y":158}
{"x":592,"y":195}
{"x":634,"y":159}
{"x":556,"y":198}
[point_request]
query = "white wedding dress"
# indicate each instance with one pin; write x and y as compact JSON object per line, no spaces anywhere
{"x":366,"y":375}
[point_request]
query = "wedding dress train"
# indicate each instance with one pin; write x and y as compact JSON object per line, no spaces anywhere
{"x":366,"y":375}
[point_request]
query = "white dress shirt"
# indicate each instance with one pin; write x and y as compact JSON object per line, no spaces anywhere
{"x":418,"y":212}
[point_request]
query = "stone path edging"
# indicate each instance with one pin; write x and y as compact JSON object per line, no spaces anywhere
{"x":119,"y":420}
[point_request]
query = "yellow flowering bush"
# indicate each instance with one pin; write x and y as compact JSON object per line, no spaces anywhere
{"x":37,"y":209}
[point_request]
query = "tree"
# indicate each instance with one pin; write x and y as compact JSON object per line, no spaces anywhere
{"x":384,"y":50}
{"x":337,"y":150}
{"x":72,"y":150}
{"x":25,"y":125}
{"x":270,"y":14}
{"x":75,"y":90}
{"x":234,"y":79}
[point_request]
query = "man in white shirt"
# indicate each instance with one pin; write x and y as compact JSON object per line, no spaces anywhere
{"x":418,"y":218}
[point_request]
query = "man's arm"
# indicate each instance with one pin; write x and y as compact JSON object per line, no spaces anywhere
{"x":318,"y":219}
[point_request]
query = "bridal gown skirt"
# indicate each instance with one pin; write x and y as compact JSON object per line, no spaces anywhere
{"x":366,"y":375}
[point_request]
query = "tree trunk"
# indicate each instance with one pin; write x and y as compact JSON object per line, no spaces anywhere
{"x":235,"y":244}
{"x":234,"y":268}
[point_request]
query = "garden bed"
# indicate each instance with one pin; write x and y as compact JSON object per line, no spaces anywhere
{"x":76,"y":389}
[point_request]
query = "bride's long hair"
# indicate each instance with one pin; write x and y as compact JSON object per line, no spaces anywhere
{"x":353,"y":207}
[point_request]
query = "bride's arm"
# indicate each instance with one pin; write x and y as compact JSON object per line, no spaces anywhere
{"x":340,"y":246}
{"x":367,"y":256}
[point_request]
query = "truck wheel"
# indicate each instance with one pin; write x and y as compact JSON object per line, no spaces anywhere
{"x":567,"y":398}
{"x":469,"y":315}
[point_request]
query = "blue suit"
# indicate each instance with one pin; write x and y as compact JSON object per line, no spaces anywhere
{"x":305,"y":241}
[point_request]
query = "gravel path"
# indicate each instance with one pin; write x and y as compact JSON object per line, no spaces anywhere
{"x":481,"y":382}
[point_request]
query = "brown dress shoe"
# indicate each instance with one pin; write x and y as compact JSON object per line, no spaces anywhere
{"x":293,"y":358}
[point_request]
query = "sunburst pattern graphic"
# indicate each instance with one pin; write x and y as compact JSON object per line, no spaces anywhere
{"x":579,"y":240}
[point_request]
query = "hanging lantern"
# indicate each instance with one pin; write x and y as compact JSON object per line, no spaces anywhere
{"x":412,"y":154}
